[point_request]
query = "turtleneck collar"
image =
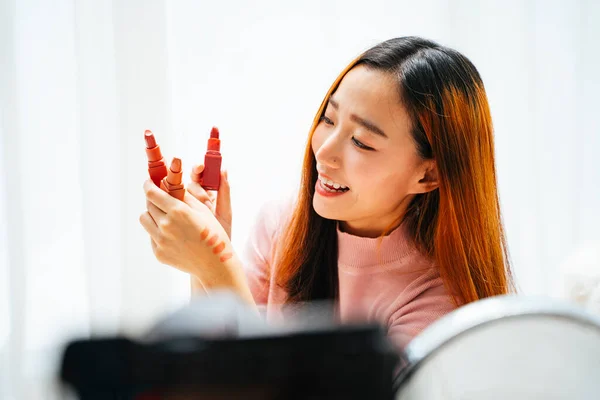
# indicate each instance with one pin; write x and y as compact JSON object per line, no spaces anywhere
{"x":357,"y":252}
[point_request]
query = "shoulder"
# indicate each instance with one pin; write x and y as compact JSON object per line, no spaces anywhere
{"x":273,"y":216}
{"x":423,"y":301}
{"x":266,"y":229}
{"x":260,"y":249}
{"x":427,"y":284}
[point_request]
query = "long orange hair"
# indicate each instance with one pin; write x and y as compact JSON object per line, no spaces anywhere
{"x":458,"y":225}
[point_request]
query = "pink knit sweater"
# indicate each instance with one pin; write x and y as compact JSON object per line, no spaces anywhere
{"x":387,"y":282}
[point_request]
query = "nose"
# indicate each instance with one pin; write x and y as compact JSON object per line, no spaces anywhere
{"x":328,"y":154}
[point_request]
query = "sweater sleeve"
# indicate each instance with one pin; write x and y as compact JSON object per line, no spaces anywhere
{"x":259,"y":252}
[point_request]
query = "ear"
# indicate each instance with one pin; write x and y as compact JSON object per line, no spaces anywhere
{"x":427,"y":178}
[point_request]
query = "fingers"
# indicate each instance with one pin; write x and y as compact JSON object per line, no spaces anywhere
{"x":223,"y":207}
{"x":158,"y":197}
{"x":196,"y":174}
{"x":200,"y":194}
{"x":192,"y":201}
{"x":149,"y":225}
{"x":155,"y":213}
{"x":212,"y":195}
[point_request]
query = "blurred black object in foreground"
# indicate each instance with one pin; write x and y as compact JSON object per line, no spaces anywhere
{"x":231,"y":360}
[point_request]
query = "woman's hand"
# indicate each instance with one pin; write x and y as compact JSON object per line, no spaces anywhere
{"x":219,"y":203}
{"x":186,"y":235}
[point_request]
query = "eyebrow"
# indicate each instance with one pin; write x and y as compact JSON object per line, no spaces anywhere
{"x":361,"y":121}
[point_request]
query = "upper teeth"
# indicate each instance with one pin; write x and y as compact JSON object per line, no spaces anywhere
{"x":332,"y":183}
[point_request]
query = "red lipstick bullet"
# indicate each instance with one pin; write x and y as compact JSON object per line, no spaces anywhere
{"x":211,"y":176}
{"x":156,"y":163}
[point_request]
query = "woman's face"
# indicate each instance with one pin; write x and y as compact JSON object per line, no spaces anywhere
{"x":368,"y":165}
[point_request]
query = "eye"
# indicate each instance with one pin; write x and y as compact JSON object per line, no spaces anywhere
{"x":360,"y":145}
{"x":326,"y":120}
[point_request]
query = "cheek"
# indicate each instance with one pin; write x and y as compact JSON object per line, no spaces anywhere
{"x":364,"y":173}
{"x":317,"y":140}
{"x":385,"y":182}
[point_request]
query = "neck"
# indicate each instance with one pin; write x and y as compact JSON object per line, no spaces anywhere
{"x":377,"y":225}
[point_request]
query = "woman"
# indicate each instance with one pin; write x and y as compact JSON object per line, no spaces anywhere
{"x":397,"y":217}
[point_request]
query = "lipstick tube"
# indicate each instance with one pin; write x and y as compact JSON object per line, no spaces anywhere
{"x":156,"y":163}
{"x":211,"y":175}
{"x":172,"y":183}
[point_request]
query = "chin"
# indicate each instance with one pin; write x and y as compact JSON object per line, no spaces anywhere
{"x":326,"y":211}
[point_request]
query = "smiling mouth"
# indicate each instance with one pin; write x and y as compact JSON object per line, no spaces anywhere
{"x":331,"y":186}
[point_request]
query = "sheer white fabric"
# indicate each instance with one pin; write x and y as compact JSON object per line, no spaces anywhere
{"x":81,"y":80}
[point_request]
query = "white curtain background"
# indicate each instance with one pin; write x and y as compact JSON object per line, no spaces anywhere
{"x":82,"y":79}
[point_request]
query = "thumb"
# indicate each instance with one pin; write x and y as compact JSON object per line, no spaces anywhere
{"x":197,"y":173}
{"x":223,"y":207}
